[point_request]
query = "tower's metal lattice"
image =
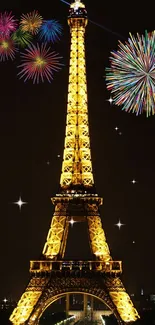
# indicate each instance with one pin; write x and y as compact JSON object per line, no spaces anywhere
{"x":52,"y":277}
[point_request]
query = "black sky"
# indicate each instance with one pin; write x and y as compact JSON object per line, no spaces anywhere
{"x":32,"y":126}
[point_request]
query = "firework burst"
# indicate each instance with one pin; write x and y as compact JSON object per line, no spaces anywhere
{"x":50,"y":30}
{"x":7,"y":49}
{"x":7,"y":24}
{"x":39,"y":63}
{"x":31,"y":22}
{"x":21,"y":38}
{"x":131,"y":77}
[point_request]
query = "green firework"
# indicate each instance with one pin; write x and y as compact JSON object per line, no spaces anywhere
{"x":21,"y":38}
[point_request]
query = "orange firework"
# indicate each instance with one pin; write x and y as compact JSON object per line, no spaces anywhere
{"x":31,"y":22}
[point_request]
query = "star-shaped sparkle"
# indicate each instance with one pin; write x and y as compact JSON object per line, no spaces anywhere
{"x":116,"y":128}
{"x":20,"y":202}
{"x":110,"y":100}
{"x":133,"y":181}
{"x":119,"y":224}
{"x":72,"y":222}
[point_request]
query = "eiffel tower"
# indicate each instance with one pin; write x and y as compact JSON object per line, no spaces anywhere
{"x":53,"y":277}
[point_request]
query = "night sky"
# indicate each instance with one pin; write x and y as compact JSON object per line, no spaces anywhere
{"x":32,"y":128}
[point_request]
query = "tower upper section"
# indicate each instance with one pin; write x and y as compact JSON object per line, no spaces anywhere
{"x":77,"y":165}
{"x":77,"y":10}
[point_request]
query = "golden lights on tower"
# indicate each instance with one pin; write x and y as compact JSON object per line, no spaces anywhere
{"x":76,"y":175}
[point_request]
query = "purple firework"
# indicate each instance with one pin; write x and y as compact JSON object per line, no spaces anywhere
{"x":7,"y":24}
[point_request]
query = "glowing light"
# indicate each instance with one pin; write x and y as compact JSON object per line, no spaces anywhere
{"x":39,"y":63}
{"x":110,"y":100}
{"x":5,"y":300}
{"x":133,"y":242}
{"x":21,"y":38}
{"x":133,"y":181}
{"x":31,"y":22}
{"x":119,"y":224}
{"x":116,"y":128}
{"x":72,"y":222}
{"x":20,"y":203}
{"x":77,"y":4}
{"x":131,"y":77}
{"x":7,"y":24}
{"x":50,"y":30}
{"x":7,"y":49}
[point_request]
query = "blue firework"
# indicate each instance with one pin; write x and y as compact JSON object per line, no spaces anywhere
{"x":50,"y":30}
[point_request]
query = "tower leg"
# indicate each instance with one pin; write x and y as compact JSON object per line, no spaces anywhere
{"x":98,"y":242}
{"x":57,"y":235}
{"x":121,"y":299}
{"x":28,"y":300}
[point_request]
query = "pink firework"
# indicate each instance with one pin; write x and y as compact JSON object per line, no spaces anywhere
{"x":7,"y":49}
{"x":7,"y":24}
{"x":39,"y":63}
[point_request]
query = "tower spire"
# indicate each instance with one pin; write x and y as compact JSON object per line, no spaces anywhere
{"x":77,"y":165}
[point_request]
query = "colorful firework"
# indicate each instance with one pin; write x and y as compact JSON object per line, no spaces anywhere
{"x":7,"y":49}
{"x":131,"y":77}
{"x":7,"y":24}
{"x":50,"y":30}
{"x":21,"y":38}
{"x":39,"y":63}
{"x":31,"y":22}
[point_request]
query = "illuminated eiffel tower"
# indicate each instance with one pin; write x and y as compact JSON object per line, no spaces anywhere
{"x":52,"y":277}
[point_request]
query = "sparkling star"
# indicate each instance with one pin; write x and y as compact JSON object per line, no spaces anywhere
{"x":133,"y":242}
{"x":58,"y":156}
{"x":5,"y":300}
{"x":116,"y":128}
{"x":133,"y":181}
{"x":72,"y":222}
{"x":20,"y":203}
{"x":119,"y":224}
{"x":110,"y":100}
